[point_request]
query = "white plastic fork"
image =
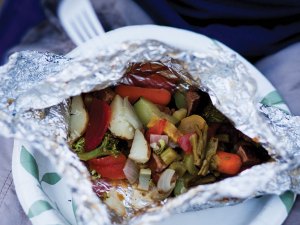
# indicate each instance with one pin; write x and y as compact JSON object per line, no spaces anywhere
{"x":79,"y":20}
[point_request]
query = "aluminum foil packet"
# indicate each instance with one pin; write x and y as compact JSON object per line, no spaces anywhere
{"x":35,"y":88}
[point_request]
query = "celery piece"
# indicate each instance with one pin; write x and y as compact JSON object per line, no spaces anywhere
{"x":193,"y":140}
{"x":144,"y":179}
{"x":169,"y":155}
{"x":180,"y":114}
{"x":188,"y":161}
{"x":145,"y":110}
{"x":179,"y":168}
{"x":180,"y":187}
{"x":180,"y":101}
{"x":211,"y":150}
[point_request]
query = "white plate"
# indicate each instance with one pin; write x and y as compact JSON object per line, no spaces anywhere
{"x":46,"y":199}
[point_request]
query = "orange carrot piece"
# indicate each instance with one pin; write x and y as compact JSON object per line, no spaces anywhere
{"x":157,"y":96}
{"x":228,"y":163}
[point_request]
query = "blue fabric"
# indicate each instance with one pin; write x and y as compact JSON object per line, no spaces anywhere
{"x":16,"y":18}
{"x":254,"y":28}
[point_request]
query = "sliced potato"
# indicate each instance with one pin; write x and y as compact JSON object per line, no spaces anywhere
{"x":140,"y":150}
{"x":78,"y":120}
{"x":124,"y":121}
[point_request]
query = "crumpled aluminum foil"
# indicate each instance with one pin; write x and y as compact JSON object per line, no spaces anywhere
{"x":34,"y":107}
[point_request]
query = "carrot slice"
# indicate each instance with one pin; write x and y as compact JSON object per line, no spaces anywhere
{"x":156,"y":96}
{"x":228,"y":163}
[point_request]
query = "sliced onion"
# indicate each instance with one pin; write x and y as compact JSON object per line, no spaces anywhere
{"x":165,"y":183}
{"x":131,"y":171}
{"x":154,"y":138}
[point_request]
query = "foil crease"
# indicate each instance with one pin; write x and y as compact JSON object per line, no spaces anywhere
{"x":34,"y":108}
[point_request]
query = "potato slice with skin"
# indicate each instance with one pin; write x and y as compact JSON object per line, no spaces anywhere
{"x":78,"y":120}
{"x":140,"y":149}
{"x":124,"y":121}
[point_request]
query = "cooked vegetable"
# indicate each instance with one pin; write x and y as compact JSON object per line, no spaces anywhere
{"x":78,"y":146}
{"x":146,"y":110}
{"x":109,"y":166}
{"x":227,"y":163}
{"x":166,"y":182}
{"x":108,"y":147}
{"x":192,"y":100}
{"x":158,"y":142}
{"x":180,"y":187}
{"x":169,"y":155}
{"x":194,"y":143}
{"x":156,"y":96}
{"x":179,"y":114}
{"x":156,"y":126}
{"x":100,"y":115}
{"x":185,"y":144}
{"x":172,"y":132}
{"x":188,"y":161}
{"x":140,"y":150}
{"x":131,"y":171}
{"x":156,"y":164}
{"x":124,"y":120}
{"x":211,"y":150}
{"x":78,"y":119}
{"x":144,"y":179}
{"x":179,"y":168}
{"x":189,"y":124}
{"x":180,"y":100}
{"x":211,"y":114}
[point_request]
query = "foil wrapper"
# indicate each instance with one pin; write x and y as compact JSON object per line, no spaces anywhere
{"x":35,"y":88}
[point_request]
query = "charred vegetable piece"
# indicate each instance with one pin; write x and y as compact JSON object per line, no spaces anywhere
{"x":145,"y":110}
{"x":211,"y":114}
{"x":124,"y":120}
{"x":192,"y":101}
{"x":109,"y":166}
{"x":156,"y":96}
{"x":99,"y":119}
{"x":152,"y":75}
{"x":227,"y":163}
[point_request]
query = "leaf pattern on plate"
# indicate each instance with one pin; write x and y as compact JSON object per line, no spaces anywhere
{"x":38,"y":207}
{"x":51,"y":178}
{"x":29,"y":163}
{"x":272,"y":98}
{"x":288,"y":199}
